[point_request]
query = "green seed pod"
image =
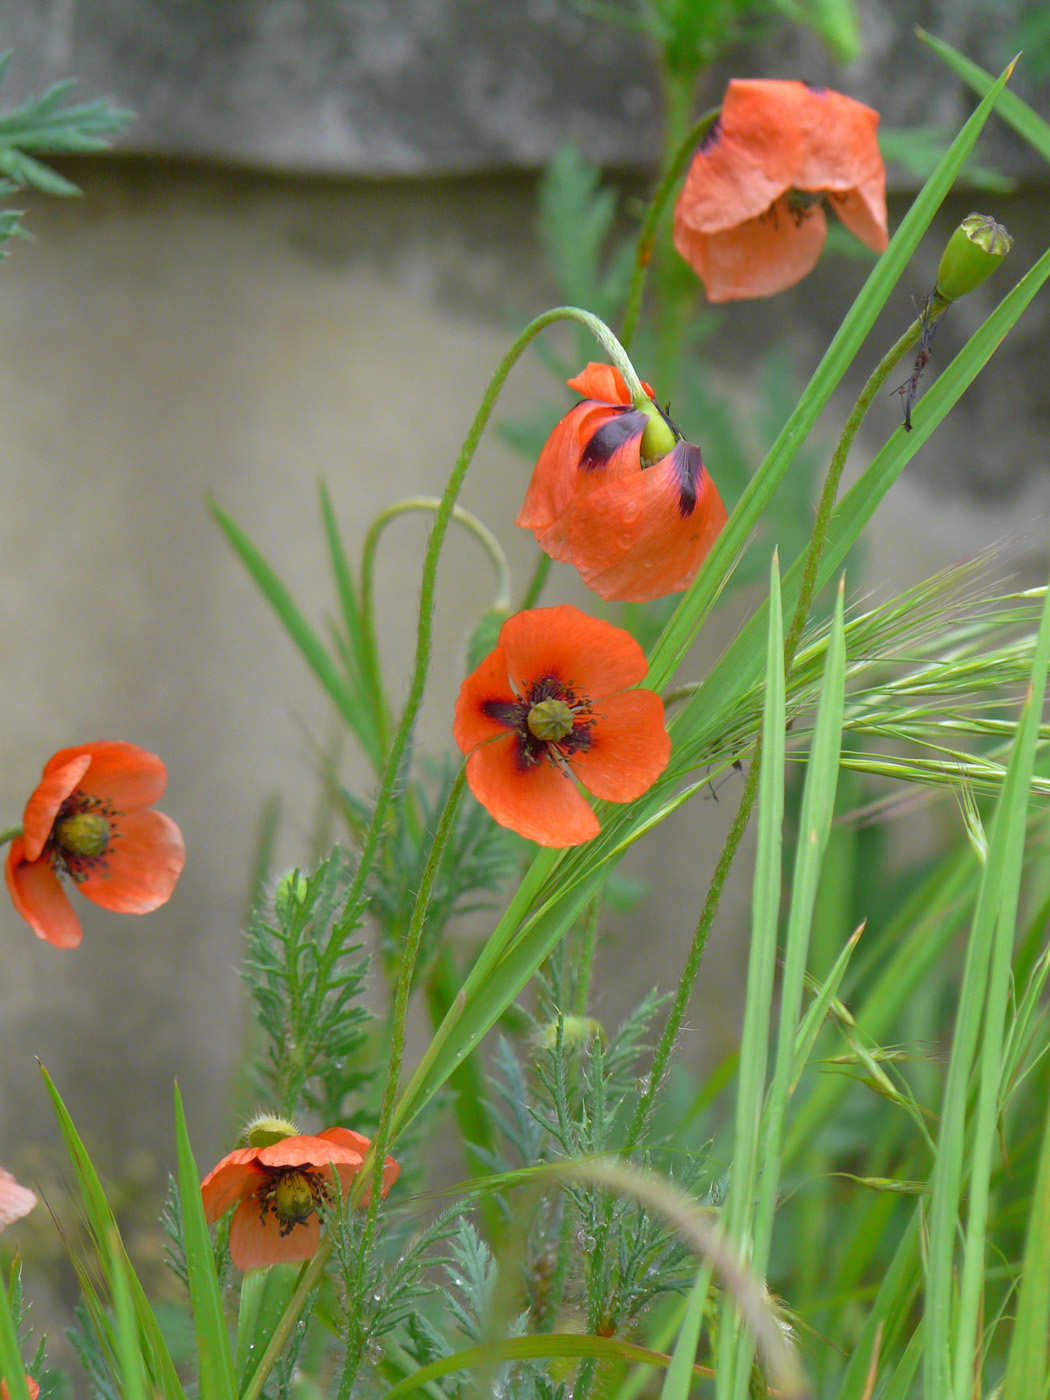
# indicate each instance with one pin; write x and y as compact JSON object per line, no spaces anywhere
{"x":974,"y":251}
{"x":659,"y":437}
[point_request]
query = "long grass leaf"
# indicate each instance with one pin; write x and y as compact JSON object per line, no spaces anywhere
{"x":1026,"y":1371}
{"x":754,"y":1041}
{"x":217,"y":1380}
{"x":103,"y":1226}
{"x":11,"y":1368}
{"x":129,"y":1349}
{"x":1013,"y":109}
{"x":1006,"y":850}
{"x":678,"y":1382}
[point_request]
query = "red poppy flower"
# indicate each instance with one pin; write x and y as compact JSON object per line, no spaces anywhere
{"x":31,"y":1386}
{"x":750,"y":218}
{"x":89,"y":819}
{"x":15,"y":1200}
{"x":277,"y":1190}
{"x":619,"y":494}
{"x":551,"y":704}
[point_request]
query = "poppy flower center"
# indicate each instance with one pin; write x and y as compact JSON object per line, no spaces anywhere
{"x":292,"y":1193}
{"x":550,"y":720}
{"x":83,"y":833}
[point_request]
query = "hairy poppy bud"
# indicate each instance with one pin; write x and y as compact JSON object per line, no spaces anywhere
{"x":264,"y":1131}
{"x":289,"y":895}
{"x":974,"y":251}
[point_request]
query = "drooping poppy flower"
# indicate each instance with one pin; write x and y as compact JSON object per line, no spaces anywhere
{"x":15,"y":1200}
{"x":31,"y":1386}
{"x":277,"y":1189}
{"x":552,"y":704}
{"x":90,"y":819}
{"x":620,"y":495}
{"x":750,"y":218}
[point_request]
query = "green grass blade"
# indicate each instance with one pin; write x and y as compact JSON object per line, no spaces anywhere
{"x":1026,"y":1373}
{"x":1013,"y":109}
{"x":754,"y":1042}
{"x":128,"y":1345}
{"x":545,"y":1346}
{"x":12,"y":1368}
{"x":103,"y":1227}
{"x":698,"y":601}
{"x":818,"y":802}
{"x":813,"y":1020}
{"x":310,"y":646}
{"x":265,"y":1295}
{"x":1006,"y":849}
{"x":889,"y":1312}
{"x":994,"y":894}
{"x":213,"y":1342}
{"x":678,"y":1382}
{"x":364,"y":669}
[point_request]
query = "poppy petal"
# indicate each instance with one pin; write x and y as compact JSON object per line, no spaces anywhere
{"x":31,"y":1386}
{"x":346,"y":1137}
{"x":632,"y":541}
{"x":60,"y":779}
{"x":38,"y":896}
{"x":256,"y":1239}
{"x":604,"y":383}
{"x":585,"y":653}
{"x":541,"y":803}
{"x":629,"y":749}
{"x":863,"y":211}
{"x":142,"y":863}
{"x":554,"y":478}
{"x":305,"y":1150}
{"x":125,"y":774}
{"x":15,"y":1200}
{"x":488,"y":685}
{"x":233,"y":1178}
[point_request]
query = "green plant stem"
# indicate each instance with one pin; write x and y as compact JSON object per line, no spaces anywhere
{"x":588,"y":944}
{"x":9,"y":833}
{"x":539,"y":578}
{"x":811,"y":568}
{"x":431,"y":504}
{"x":651,"y":223}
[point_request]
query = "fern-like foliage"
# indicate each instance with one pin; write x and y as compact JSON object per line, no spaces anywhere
{"x":47,"y":125}
{"x":306,"y":976}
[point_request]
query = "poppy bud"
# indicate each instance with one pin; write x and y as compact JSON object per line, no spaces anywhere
{"x":659,"y":437}
{"x":264,"y":1131}
{"x":289,"y":894}
{"x":974,"y":251}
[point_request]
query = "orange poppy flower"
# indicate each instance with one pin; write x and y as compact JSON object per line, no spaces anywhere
{"x":620,"y":495}
{"x":31,"y":1386}
{"x":15,"y":1200}
{"x":89,"y":819}
{"x":750,"y":218}
{"x":551,"y":704}
{"x":277,"y":1189}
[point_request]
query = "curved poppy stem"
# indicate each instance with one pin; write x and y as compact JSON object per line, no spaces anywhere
{"x":477,"y":528}
{"x":539,"y":578}
{"x":651,"y":223}
{"x":9,"y":833}
{"x":807,"y":588}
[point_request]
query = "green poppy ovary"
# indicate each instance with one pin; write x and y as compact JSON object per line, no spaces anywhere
{"x":83,"y":833}
{"x":293,"y":1198}
{"x":550,"y":720}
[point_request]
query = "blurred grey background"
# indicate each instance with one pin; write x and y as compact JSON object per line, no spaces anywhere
{"x":303,"y":260}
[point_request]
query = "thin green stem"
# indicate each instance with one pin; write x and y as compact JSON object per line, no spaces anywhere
{"x":478,"y":528}
{"x":747,"y":800}
{"x":588,"y":944}
{"x":9,"y":833}
{"x":651,"y":223}
{"x":539,"y":578}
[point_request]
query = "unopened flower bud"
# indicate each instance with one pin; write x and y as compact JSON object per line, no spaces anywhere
{"x":659,"y":437}
{"x":974,"y":251}
{"x":290,"y":892}
{"x":265,"y":1130}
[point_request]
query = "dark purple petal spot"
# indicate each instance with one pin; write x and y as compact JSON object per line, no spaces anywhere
{"x":818,"y":89}
{"x":713,"y":135}
{"x":610,"y":437}
{"x":504,"y":712}
{"x":688,"y":467}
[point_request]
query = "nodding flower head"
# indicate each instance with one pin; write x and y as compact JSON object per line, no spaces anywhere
{"x":618,"y":493}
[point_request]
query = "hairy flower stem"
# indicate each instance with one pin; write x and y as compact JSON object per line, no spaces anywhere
{"x":653,"y":214}
{"x":807,"y":588}
{"x":9,"y":833}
